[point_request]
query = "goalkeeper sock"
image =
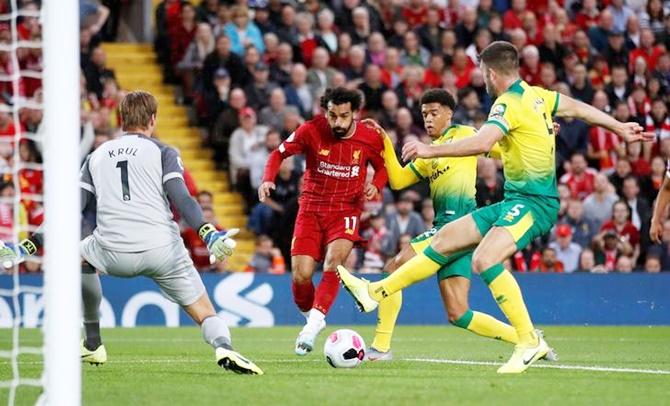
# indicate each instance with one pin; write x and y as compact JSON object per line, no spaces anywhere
{"x":303,"y":294}
{"x":216,"y":332}
{"x":486,"y":326}
{"x":389,"y":308}
{"x":507,"y":294}
{"x":91,"y":293}
{"x":327,"y":290}
{"x":416,"y":269}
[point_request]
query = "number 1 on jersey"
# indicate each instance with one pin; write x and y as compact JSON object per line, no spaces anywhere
{"x":350,"y":225}
{"x":124,"y":179}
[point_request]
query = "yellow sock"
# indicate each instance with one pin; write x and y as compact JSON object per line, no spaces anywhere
{"x":386,"y":317}
{"x":488,"y":326}
{"x":507,"y":294}
{"x":416,"y":269}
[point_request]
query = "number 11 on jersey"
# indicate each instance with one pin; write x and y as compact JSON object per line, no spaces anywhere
{"x":350,"y":224}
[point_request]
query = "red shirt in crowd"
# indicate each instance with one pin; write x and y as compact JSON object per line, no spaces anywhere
{"x":580,"y":185}
{"x":415,"y":17}
{"x":336,"y":168}
{"x":628,"y":231}
{"x":511,"y":20}
{"x":603,"y":140}
{"x":650,"y":56}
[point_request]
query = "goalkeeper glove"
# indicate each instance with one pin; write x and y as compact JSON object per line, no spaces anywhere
{"x":219,"y":243}
{"x":11,"y":255}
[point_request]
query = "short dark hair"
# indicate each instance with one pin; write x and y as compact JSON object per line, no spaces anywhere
{"x":501,"y":56}
{"x":341,"y":95}
{"x":439,"y":96}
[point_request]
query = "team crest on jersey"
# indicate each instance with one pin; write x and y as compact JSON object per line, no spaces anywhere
{"x":324,"y":152}
{"x":434,"y":164}
{"x":499,"y":109}
{"x":356,"y":156}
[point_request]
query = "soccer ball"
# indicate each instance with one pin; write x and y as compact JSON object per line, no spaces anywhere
{"x":344,"y":349}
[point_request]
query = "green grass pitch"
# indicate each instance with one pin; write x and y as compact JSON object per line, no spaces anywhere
{"x":162,"y":366}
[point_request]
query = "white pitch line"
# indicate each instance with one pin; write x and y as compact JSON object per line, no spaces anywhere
{"x":549,"y":366}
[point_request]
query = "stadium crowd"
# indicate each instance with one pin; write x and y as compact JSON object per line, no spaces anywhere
{"x":254,"y":70}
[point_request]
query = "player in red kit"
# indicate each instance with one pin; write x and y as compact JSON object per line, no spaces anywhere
{"x":337,"y":149}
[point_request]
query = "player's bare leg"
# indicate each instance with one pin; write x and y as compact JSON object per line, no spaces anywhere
{"x":448,"y":243}
{"x":337,"y":252}
{"x":387,"y":314}
{"x":495,"y":247}
{"x":216,"y":333}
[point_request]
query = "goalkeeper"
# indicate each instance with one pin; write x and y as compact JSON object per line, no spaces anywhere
{"x":130,"y":182}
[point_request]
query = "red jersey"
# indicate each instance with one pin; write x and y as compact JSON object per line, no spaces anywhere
{"x":336,"y":168}
{"x":628,"y":231}
{"x":580,"y":186}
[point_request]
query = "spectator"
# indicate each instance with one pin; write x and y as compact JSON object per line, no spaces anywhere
{"x":205,"y":199}
{"x":222,"y":57}
{"x":567,"y":252}
{"x":267,"y":258}
{"x":622,"y":226}
{"x":433,"y":75}
{"x":404,"y":220}
{"x":192,"y":63}
{"x":587,"y":261}
{"x":572,"y":138}
{"x":372,"y":88}
{"x":662,"y":250}
{"x":392,"y":72}
{"x":609,"y":248}
{"x":258,"y":92}
{"x":512,"y":17}
{"x":413,"y":53}
{"x":620,"y":14}
{"x":598,"y":205}
{"x":489,"y":183}
{"x":307,"y":40}
{"x":462,"y":68}
{"x":657,"y":120}
{"x":652,"y":264}
{"x":275,"y":113}
{"x":280,"y":71}
{"x":580,"y":178}
{"x":390,"y":105}
{"x":97,"y":72}
{"x":530,"y":68}
{"x":298,"y":92}
{"x":286,"y":27}
{"x":360,"y":29}
{"x":583,"y":229}
{"x":616,"y":52}
{"x":598,"y":34}
{"x":647,"y":50}
{"x":427,"y":213}
{"x":355,"y":64}
{"x":624,"y":264}
{"x":380,"y":244}
{"x":639,"y":206}
{"x":620,"y":88}
{"x":465,"y":30}
{"x":320,"y":75}
{"x":430,"y":33}
{"x":655,"y":179}
{"x":580,"y":87}
{"x":549,"y":262}
{"x":259,"y":156}
{"x":587,"y":16}
{"x":621,"y":171}
{"x":327,"y":36}
{"x":551,"y":50}
{"x":226,"y":123}
{"x":468,"y":106}
{"x":181,"y":33}
{"x":243,"y":142}
{"x":376,"y":50}
{"x":604,"y":147}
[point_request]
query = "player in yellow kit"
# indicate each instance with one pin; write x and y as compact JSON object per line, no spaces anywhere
{"x":520,"y":121}
{"x":452,"y":189}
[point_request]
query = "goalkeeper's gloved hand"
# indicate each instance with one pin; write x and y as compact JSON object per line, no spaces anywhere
{"x":219,"y":243}
{"x":11,"y":255}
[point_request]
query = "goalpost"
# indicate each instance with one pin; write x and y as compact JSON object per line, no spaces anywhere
{"x":59,"y":135}
{"x":62,"y":264}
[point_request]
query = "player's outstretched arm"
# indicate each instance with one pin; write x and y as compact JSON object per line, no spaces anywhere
{"x":400,"y":176}
{"x":662,"y":201}
{"x":629,"y":132}
{"x":480,"y":143}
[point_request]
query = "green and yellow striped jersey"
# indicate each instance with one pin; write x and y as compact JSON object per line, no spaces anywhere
{"x":524,"y":114}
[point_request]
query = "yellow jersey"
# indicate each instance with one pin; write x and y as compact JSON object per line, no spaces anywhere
{"x":524,"y":114}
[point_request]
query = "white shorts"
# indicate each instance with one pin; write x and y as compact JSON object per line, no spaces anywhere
{"x":170,"y":267}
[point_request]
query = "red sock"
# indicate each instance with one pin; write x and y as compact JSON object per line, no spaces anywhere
{"x":326,"y":292}
{"x":303,"y":295}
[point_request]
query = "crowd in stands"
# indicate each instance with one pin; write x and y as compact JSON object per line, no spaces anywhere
{"x":254,"y":70}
